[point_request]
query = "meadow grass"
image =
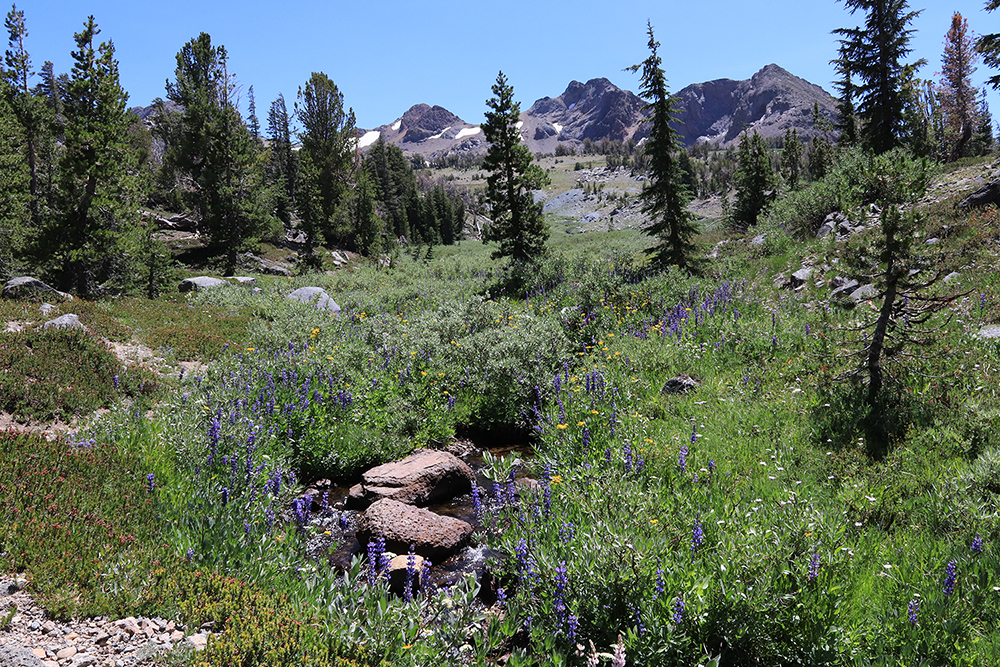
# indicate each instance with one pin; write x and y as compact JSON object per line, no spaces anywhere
{"x":751,"y":521}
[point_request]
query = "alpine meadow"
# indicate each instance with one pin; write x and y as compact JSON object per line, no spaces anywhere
{"x":706,"y":377}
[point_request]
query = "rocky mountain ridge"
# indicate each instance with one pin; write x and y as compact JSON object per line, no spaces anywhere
{"x":771,"y":101}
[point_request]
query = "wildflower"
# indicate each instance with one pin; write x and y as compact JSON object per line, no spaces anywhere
{"x":711,"y":466}
{"x":697,"y":535}
{"x":477,"y":503}
{"x":679,"y":610}
{"x":618,"y":660}
{"x":950,"y":577}
{"x":977,"y":545}
{"x":567,"y":532}
{"x":572,"y":624}
{"x":411,"y":570}
{"x":661,"y":585}
{"x":225,"y":496}
{"x":114,"y":380}
{"x":559,"y":597}
{"x":190,"y":555}
{"x":813,"y":567}
{"x":149,"y":480}
{"x":912,"y":610}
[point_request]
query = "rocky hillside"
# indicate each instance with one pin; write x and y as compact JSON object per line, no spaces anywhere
{"x":769,"y":102}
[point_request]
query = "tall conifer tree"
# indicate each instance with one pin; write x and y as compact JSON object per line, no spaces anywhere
{"x":665,"y":197}
{"x":326,"y":160}
{"x":517,"y":223}
{"x":98,"y":195}
{"x":873,"y":55}
{"x":956,"y":94}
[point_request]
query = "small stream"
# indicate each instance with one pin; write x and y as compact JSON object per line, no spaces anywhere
{"x":338,"y":546}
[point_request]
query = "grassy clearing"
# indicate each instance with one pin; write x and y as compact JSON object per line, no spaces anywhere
{"x":751,"y":521}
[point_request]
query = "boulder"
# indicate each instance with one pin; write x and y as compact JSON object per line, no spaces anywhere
{"x":988,"y":194}
{"x":27,"y":287}
{"x":199,"y":283}
{"x":68,"y":321}
{"x":249,"y":281}
{"x":863,"y":293}
{"x":432,"y":536}
{"x":990,"y":332}
{"x":47,"y":308}
{"x":273,"y":269}
{"x":398,"y":567}
{"x":801,"y":277}
{"x":681,"y":384}
{"x":317,"y":294}
{"x":419,"y":479}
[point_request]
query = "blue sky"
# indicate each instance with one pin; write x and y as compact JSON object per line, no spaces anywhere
{"x":386,"y":57}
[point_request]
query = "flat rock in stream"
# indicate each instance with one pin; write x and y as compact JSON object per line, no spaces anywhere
{"x":431,"y":535}
{"x":419,"y":479}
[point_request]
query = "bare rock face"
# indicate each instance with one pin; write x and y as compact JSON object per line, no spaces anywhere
{"x":432,"y":536}
{"x":421,"y":478}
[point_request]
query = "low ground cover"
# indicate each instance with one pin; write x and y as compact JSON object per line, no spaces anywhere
{"x":749,"y":521}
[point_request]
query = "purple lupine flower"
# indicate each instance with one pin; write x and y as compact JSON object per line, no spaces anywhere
{"x":501,"y":596}
{"x":813,"y":567}
{"x":682,"y":457}
{"x":246,"y":527}
{"x":586,"y":438}
{"x":559,"y":600}
{"x":912,"y":610}
{"x":977,"y":545}
{"x":114,"y":381}
{"x":477,"y":503}
{"x":225,"y":496}
{"x":150,"y":482}
{"x":375,"y":548}
{"x":607,"y":455}
{"x":567,"y":532}
{"x":661,"y":585}
{"x":711,"y":466}
{"x":344,"y":523}
{"x":950,"y":577}
{"x":627,"y":455}
{"x":411,"y":571}
{"x":572,"y":625}
{"x":697,"y":535}
{"x":678,"y":610}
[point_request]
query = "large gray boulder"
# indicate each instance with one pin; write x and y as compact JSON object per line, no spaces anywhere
{"x":419,"y":479}
{"x":199,"y":283}
{"x":317,"y":295}
{"x":67,"y":321}
{"x":431,"y":535}
{"x":26,"y":287}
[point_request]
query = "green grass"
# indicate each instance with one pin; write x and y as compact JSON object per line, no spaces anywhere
{"x":761,"y":501}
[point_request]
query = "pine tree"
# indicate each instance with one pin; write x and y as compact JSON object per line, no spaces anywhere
{"x":395,"y":185}
{"x":14,"y":194}
{"x":98,"y":195}
{"x":982,"y":136}
{"x":327,"y":160}
{"x":26,"y":107}
{"x":957,"y":96}
{"x":754,"y":181}
{"x":517,"y":223}
{"x":253,"y":123}
{"x":873,"y":54}
{"x":281,"y":167}
{"x":989,"y":47}
{"x":368,"y":225}
{"x":791,"y":157}
{"x":665,"y":196}
{"x":212,"y":146}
